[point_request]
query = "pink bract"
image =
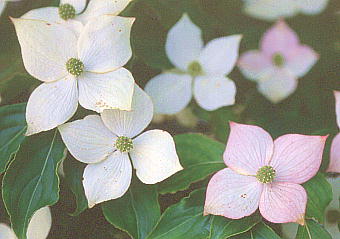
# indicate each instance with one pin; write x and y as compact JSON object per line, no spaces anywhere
{"x":281,"y":60}
{"x":244,"y":186}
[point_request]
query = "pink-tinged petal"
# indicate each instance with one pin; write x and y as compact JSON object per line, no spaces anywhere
{"x":301,"y":59}
{"x":249,"y":148}
{"x":283,"y":202}
{"x":337,"y":106}
{"x":232,"y":195}
{"x":254,"y":63}
{"x":296,"y":157}
{"x":278,"y":39}
{"x":277,"y":84}
{"x":334,"y":163}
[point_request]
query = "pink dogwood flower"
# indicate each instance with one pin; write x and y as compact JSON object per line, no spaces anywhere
{"x":264,"y":174}
{"x":334,"y":163}
{"x":279,"y":63}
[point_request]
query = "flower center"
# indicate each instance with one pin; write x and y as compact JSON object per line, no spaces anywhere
{"x":195,"y":69}
{"x":124,"y":144}
{"x":278,"y":60}
{"x":74,"y":66}
{"x":67,"y":11}
{"x":266,"y":174}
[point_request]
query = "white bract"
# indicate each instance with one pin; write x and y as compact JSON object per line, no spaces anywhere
{"x":38,"y":228}
{"x":107,"y":143}
{"x":74,"y":10}
{"x":275,"y":9}
{"x":87,"y":69}
{"x":200,"y":70}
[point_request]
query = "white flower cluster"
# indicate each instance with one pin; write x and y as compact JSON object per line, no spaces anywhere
{"x":79,"y":56}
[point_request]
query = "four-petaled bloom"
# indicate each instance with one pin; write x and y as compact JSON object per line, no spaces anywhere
{"x":279,"y":63}
{"x":334,"y":163}
{"x":38,"y":228}
{"x":274,"y":9}
{"x":202,"y":68}
{"x":87,"y":68}
{"x":107,"y":142}
{"x":264,"y":173}
{"x":73,"y":10}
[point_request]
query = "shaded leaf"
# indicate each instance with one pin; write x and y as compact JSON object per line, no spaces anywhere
{"x":312,"y":230}
{"x":319,"y":196}
{"x":222,"y":228}
{"x":12,"y":129}
{"x":31,"y":181}
{"x":260,"y":231}
{"x":183,"y":220}
{"x":199,"y":155}
{"x":74,"y":177}
{"x":136,"y":212}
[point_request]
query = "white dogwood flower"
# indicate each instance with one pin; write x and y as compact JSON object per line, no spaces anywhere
{"x":38,"y":228}
{"x":274,"y":9}
{"x":200,"y":70}
{"x":88,"y":68}
{"x":108,"y":142}
{"x":74,"y":9}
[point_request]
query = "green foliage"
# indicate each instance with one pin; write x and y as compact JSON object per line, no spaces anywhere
{"x":73,"y":176}
{"x":31,"y":181}
{"x":222,"y":228}
{"x":183,"y":220}
{"x":200,"y":157}
{"x":312,"y":230}
{"x":136,"y":212}
{"x":320,"y":194}
{"x":12,"y":129}
{"x":260,"y":231}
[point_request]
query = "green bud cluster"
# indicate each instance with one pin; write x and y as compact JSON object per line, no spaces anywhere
{"x":266,"y":174}
{"x":278,"y":60}
{"x":195,"y":69}
{"x":75,"y":66}
{"x":67,"y":11}
{"x":124,"y":144}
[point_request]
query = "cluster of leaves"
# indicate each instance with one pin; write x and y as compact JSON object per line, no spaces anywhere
{"x":29,"y":164}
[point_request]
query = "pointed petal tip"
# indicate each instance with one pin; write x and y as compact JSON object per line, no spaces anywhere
{"x":91,"y":204}
{"x":301,"y":220}
{"x":324,"y":137}
{"x":205,"y":212}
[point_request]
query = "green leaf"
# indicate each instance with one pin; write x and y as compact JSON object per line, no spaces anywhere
{"x":200,"y":157}
{"x":12,"y":129}
{"x":319,"y":196}
{"x":222,"y":228}
{"x":260,"y":231}
{"x":263,"y":231}
{"x":183,"y":220}
{"x":149,"y":34}
{"x":136,"y":212}
{"x":74,"y":177}
{"x":31,"y":181}
{"x":312,"y":230}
